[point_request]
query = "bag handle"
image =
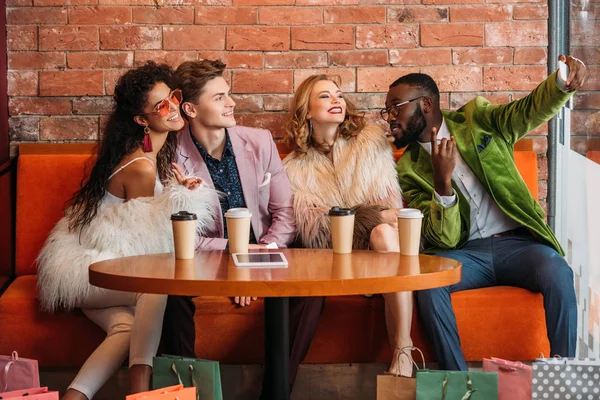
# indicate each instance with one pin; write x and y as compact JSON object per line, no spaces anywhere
{"x":5,"y":374}
{"x":194,"y":382}
{"x":466,"y":396}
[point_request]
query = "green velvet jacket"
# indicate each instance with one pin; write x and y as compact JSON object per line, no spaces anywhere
{"x":495,"y":128}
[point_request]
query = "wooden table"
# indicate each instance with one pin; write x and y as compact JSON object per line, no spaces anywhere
{"x":311,"y":272}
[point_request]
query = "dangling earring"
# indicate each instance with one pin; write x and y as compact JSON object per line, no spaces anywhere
{"x":309,"y":127}
{"x":147,"y":146}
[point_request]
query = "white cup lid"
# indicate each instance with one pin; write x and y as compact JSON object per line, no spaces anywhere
{"x":409,"y":213}
{"x":238,"y":213}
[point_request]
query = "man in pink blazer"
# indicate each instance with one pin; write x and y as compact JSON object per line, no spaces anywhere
{"x":243,"y":164}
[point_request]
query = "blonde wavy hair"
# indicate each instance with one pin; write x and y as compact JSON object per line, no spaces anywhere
{"x":297,"y":130}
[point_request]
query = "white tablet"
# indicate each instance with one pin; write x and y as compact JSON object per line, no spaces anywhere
{"x":259,"y":260}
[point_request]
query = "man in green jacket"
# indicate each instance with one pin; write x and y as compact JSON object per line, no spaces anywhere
{"x":459,"y":171}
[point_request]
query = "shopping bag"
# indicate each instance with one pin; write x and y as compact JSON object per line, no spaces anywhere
{"x":567,"y":377}
{"x":177,"y":392}
{"x":514,"y":378}
{"x":457,"y":385}
{"x":396,"y":387}
{"x":18,"y":373}
{"x":204,"y":375}
{"x":38,"y":393}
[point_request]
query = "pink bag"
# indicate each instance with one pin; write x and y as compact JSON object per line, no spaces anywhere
{"x":514,"y":378}
{"x":18,"y":373}
{"x":40,"y":393}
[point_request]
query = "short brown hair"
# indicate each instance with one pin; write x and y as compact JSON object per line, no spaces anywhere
{"x":192,"y":76}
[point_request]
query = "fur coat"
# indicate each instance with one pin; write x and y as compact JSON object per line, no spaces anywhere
{"x":136,"y":227}
{"x":362,"y":176}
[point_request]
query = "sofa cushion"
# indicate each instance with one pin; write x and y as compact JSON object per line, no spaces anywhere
{"x":45,"y":182}
{"x":485,"y":320}
{"x":55,"y":340}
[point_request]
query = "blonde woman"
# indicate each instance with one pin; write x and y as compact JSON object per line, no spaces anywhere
{"x":340,"y":160}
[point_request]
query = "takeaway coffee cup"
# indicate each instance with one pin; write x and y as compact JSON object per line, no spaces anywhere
{"x":184,"y":234}
{"x":409,"y":230}
{"x":342,"y":229}
{"x":238,"y":229}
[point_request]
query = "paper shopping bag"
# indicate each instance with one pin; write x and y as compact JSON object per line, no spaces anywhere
{"x":395,"y":387}
{"x":177,"y":392}
{"x":567,"y":377}
{"x":18,"y":373}
{"x":204,"y":375}
{"x":39,"y":393}
{"x":514,"y":378}
{"x":457,"y":385}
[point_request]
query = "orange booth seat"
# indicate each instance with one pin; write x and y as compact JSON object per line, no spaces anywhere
{"x":502,"y":321}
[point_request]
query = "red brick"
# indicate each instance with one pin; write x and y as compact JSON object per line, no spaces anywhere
{"x":111,"y":77}
{"x":587,"y":101}
{"x":99,"y":15}
{"x":100,"y":60}
{"x":355,"y":15}
{"x":248,"y":102}
{"x":456,"y":78}
{"x":585,"y":123}
{"x":531,"y":55}
{"x":239,"y":59}
{"x":542,"y":162}
{"x":21,"y":38}
{"x":326,"y":2}
{"x":584,"y":33}
{"x":93,"y":105}
{"x":48,"y":3}
{"x":591,"y":55}
{"x":22,"y":83}
{"x":420,"y":57}
{"x":69,"y":128}
{"x":226,"y":15}
{"x":540,"y":145}
{"x":153,"y":3}
{"x":378,"y":79}
{"x":339,"y":37}
{"x":36,"y":60}
{"x":69,"y":38}
{"x":71,"y":83}
{"x":173,"y":58}
{"x":277,"y":102}
{"x":521,"y":33}
{"x":451,"y":35}
{"x":258,"y":38}
{"x":387,"y":36}
{"x":585,"y":12}
{"x":18,"y":3}
{"x":37,"y":106}
{"x":444,"y":101}
{"x":458,"y":100}
{"x":296,"y":59}
{"x":531,"y":11}
{"x":212,"y":3}
{"x":163,"y":15}
{"x":390,"y":2}
{"x":24,"y":129}
{"x":513,"y":78}
{"x":366,"y":101}
{"x":273,"y":122}
{"x":488,"y":13}
{"x":454,"y":2}
{"x":485,"y":56}
{"x":358,"y":58}
{"x":263,"y":2}
{"x":417,"y":14}
{"x":290,"y":16}
{"x":593,"y":79}
{"x":130,"y":38}
{"x":275,"y":81}
{"x":347,"y":77}
{"x":36,"y":16}
{"x":194,"y":38}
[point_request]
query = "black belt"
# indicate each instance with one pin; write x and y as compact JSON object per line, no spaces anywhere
{"x":513,"y":232}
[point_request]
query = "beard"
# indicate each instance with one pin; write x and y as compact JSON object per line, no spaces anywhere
{"x":414,"y":127}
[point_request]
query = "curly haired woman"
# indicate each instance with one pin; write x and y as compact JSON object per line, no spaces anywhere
{"x":122,"y":210}
{"x":340,"y":160}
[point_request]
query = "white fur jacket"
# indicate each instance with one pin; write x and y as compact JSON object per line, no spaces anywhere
{"x":136,"y":227}
{"x":362,"y":176}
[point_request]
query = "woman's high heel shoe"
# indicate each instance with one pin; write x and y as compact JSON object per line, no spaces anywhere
{"x":406,"y":352}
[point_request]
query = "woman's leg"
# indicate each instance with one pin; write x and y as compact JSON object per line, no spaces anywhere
{"x":398,"y":306}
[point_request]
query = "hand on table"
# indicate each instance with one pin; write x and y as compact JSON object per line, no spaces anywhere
{"x":243,"y":301}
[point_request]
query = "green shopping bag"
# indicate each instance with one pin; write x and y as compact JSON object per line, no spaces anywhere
{"x":204,"y":375}
{"x":457,"y":385}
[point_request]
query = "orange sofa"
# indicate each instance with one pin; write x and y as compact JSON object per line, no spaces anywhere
{"x":502,"y":321}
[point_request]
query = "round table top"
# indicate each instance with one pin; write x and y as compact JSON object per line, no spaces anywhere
{"x":311,"y":272}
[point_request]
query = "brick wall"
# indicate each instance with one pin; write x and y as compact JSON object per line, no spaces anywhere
{"x":65,"y":55}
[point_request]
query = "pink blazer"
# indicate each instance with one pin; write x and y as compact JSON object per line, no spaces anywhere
{"x":266,"y":188}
